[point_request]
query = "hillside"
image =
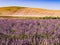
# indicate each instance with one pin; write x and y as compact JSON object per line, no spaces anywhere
{"x":14,"y":10}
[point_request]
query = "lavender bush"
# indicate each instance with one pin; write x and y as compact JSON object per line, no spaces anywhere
{"x":29,"y":32}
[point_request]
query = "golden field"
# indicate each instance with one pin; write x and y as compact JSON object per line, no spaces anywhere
{"x":28,"y":12}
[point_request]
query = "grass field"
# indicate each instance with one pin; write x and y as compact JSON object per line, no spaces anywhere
{"x":28,"y":17}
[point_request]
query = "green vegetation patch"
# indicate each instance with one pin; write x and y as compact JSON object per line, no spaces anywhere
{"x":16,"y":17}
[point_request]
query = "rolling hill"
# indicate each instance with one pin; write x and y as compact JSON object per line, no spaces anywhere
{"x":15,"y":10}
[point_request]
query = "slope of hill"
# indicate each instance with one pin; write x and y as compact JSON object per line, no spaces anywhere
{"x":9,"y":10}
{"x":14,"y":10}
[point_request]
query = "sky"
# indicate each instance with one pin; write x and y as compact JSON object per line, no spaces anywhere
{"x":46,"y":4}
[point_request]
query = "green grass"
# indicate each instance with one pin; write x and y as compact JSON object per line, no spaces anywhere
{"x":11,"y":17}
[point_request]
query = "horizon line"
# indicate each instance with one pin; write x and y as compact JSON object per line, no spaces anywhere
{"x":29,"y":7}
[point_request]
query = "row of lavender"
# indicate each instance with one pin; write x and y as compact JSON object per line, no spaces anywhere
{"x":29,"y":32}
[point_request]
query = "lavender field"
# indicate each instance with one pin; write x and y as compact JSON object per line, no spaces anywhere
{"x":29,"y":32}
